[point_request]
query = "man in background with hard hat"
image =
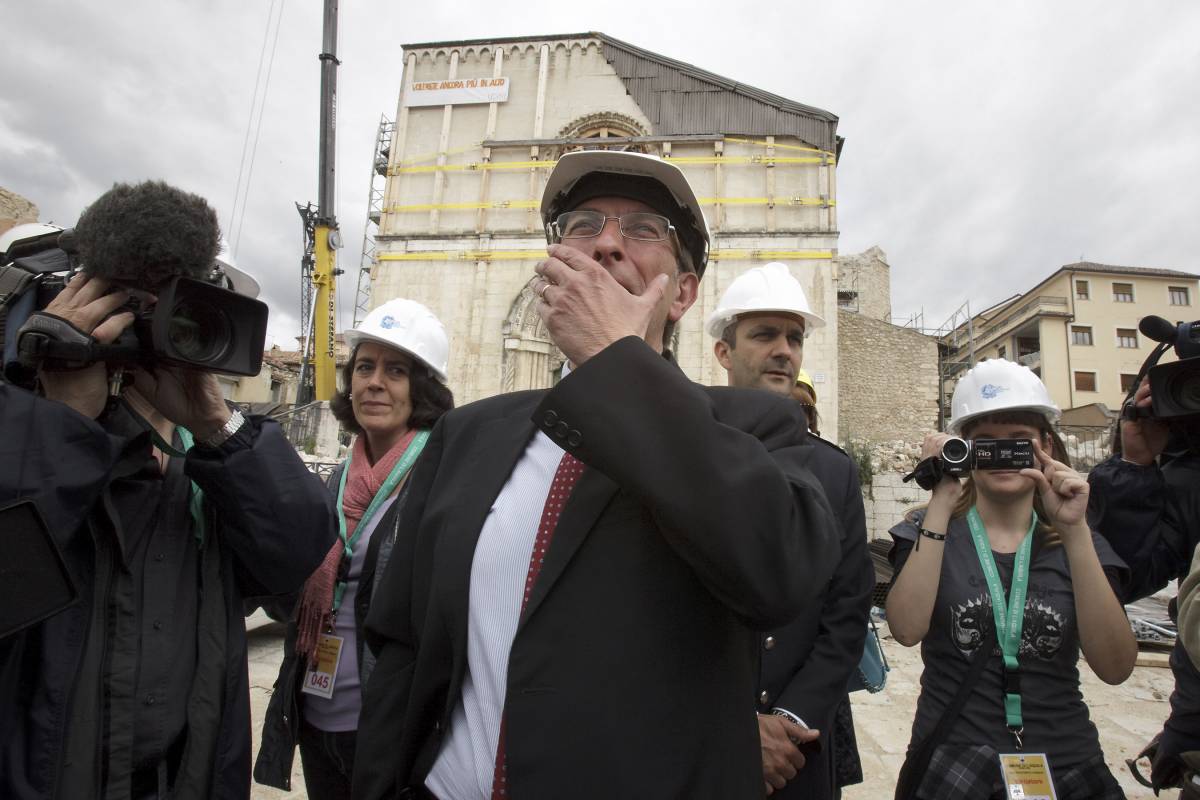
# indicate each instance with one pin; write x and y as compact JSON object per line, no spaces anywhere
{"x":579,"y":624}
{"x":760,"y":325}
{"x":805,"y":393}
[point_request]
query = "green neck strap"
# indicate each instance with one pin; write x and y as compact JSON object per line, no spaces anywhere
{"x":385,"y":491}
{"x":196,"y":495}
{"x":1009,"y":614}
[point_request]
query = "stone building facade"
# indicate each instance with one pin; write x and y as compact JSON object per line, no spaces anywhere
{"x":865,"y":284}
{"x":15,"y":210}
{"x":478,"y":128}
{"x":889,"y":381}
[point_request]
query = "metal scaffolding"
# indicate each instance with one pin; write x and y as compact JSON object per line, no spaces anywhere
{"x":955,"y":335}
{"x":375,"y":195}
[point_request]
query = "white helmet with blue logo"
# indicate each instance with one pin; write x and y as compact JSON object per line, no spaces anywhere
{"x":409,"y":327}
{"x":999,"y":385}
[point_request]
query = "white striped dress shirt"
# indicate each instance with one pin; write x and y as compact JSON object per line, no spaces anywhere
{"x":465,"y":765}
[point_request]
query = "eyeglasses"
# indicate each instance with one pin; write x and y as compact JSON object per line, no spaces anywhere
{"x":640,"y":225}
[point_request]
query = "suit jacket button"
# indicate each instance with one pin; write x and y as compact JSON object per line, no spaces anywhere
{"x":549,"y":418}
{"x":768,"y":642}
{"x":560,"y":430}
{"x":764,"y":698}
{"x":574,"y":439}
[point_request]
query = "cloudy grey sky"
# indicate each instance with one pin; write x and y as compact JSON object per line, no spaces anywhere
{"x":986,"y":144}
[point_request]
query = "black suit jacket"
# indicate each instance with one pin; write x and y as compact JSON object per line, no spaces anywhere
{"x":633,"y":664}
{"x":806,"y":664}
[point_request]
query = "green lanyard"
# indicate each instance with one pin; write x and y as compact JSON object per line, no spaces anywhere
{"x":393,"y":480}
{"x":195,"y":496}
{"x":1010,"y":615}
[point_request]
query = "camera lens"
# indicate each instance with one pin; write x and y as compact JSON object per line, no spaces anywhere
{"x":955,"y":450}
{"x":1183,"y":389}
{"x":199,"y":332}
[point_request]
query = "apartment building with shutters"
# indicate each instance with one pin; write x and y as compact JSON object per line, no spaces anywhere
{"x":1077,"y":329}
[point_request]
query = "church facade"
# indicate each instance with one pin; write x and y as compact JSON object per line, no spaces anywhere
{"x":479,"y":126}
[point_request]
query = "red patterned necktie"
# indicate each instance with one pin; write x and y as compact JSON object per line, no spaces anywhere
{"x":568,"y":472}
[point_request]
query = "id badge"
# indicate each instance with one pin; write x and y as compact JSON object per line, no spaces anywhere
{"x":319,"y":680}
{"x":1027,"y":776}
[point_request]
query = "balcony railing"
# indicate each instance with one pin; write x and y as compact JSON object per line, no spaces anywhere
{"x":1042,"y":304}
{"x":1087,"y":445}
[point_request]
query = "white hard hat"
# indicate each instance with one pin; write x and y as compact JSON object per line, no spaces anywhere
{"x":621,"y":174}
{"x":26,"y":231}
{"x":407,"y":326}
{"x":239,"y":281}
{"x":765,"y":289}
{"x":998,"y":385}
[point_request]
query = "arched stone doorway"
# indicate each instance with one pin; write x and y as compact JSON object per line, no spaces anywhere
{"x":531,"y":360}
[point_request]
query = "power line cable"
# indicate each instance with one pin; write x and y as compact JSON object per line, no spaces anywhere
{"x":258,"y":130}
{"x":262,"y":52}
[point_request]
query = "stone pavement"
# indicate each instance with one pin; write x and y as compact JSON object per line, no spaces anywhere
{"x":1127,"y":715}
{"x":265,"y":644}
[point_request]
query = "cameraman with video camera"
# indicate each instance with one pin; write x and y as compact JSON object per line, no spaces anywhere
{"x":1145,"y":501}
{"x":137,"y":511}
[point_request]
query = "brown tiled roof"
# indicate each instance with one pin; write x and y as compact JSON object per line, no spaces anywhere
{"x":1150,"y":272}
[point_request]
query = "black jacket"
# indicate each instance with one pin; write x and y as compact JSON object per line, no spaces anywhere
{"x":281,"y":728}
{"x":807,"y":663}
{"x":269,"y":522}
{"x":633,"y":666}
{"x":1151,"y":517}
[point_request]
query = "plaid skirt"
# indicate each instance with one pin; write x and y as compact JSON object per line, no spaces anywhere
{"x":965,"y":772}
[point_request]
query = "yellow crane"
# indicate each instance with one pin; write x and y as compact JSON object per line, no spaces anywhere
{"x":322,"y":235}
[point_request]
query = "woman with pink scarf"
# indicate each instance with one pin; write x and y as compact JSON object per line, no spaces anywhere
{"x":392,"y":392}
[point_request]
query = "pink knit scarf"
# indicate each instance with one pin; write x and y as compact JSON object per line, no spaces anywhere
{"x":314,"y":613}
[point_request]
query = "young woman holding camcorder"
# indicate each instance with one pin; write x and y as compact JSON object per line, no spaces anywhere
{"x":1002,"y":582}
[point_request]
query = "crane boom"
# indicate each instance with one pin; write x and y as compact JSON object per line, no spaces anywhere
{"x":327,"y":238}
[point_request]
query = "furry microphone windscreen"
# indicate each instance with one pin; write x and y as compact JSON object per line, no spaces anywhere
{"x":145,"y":234}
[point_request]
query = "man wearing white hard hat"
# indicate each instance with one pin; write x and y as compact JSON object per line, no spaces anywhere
{"x":570,"y":606}
{"x":760,"y":324}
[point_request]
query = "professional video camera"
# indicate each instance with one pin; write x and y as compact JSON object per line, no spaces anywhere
{"x":151,"y":238}
{"x":1174,"y":387}
{"x":960,"y":456}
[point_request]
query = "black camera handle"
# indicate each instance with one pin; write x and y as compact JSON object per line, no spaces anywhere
{"x":928,"y":473}
{"x":48,"y":341}
{"x":1128,"y":410}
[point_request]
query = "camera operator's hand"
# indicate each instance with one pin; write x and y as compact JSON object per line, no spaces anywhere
{"x":188,"y":397}
{"x":949,"y":487}
{"x":1143,"y":439}
{"x":87,"y":304}
{"x":1064,"y":492}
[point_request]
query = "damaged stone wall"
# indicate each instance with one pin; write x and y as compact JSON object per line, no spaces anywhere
{"x":15,"y":210}
{"x":888,"y":379}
